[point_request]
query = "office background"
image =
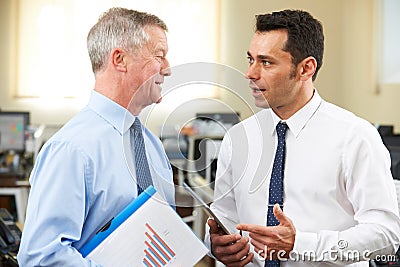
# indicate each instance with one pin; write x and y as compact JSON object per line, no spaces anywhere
{"x":349,"y":75}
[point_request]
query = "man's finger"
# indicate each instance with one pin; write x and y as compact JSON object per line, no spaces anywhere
{"x":219,"y":237}
{"x":280,"y":216}
{"x":213,"y":226}
{"x":259,"y":229}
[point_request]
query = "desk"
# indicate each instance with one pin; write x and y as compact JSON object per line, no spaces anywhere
{"x":19,"y":188}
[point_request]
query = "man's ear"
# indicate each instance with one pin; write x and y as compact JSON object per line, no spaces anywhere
{"x":119,"y":59}
{"x":307,"y":68}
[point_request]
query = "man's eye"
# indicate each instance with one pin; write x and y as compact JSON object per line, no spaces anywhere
{"x":250,"y":59}
{"x":266,"y":62}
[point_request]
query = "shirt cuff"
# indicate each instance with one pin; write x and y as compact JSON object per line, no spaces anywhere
{"x":305,"y":246}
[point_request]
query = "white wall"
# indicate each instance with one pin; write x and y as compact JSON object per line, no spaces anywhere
{"x":43,"y":111}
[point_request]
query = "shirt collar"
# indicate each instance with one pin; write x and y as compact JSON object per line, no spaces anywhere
{"x":299,"y":120}
{"x":119,"y":117}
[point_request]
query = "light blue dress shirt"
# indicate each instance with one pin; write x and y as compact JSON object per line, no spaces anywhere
{"x":83,"y":176}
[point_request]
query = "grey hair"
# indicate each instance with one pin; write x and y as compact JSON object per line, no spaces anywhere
{"x":122,"y":28}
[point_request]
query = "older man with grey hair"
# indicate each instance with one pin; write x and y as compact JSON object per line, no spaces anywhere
{"x":91,"y":169}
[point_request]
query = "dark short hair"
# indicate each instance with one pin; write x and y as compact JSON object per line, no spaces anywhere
{"x":305,"y":34}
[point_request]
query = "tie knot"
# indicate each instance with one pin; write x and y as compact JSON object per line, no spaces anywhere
{"x":137,"y":126}
{"x":281,"y":128}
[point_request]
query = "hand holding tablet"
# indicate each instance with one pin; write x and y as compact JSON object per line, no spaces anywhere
{"x":206,"y":209}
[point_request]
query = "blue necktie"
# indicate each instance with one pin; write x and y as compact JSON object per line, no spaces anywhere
{"x":143,"y":176}
{"x":276,"y":183}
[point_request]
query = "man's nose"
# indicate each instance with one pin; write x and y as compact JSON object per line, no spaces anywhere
{"x":166,"y":69}
{"x":253,"y":72}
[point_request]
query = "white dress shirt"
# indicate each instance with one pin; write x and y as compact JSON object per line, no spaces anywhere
{"x":338,"y":189}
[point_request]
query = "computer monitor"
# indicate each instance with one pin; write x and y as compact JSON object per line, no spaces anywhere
{"x":202,"y":155}
{"x":391,"y":141}
{"x":395,"y":161}
{"x":13,"y":125}
{"x":221,"y":117}
{"x":212,"y":151}
{"x":385,"y":130}
{"x":203,"y":149}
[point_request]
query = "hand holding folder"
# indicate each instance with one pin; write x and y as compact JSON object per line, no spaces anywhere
{"x":148,"y":232}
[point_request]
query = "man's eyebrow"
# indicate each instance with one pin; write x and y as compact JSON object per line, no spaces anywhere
{"x":261,"y":57}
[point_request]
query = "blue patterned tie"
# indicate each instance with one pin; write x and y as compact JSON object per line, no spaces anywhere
{"x":143,"y":176}
{"x":276,"y":183}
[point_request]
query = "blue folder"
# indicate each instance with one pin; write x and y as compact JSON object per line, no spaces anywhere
{"x":115,"y":222}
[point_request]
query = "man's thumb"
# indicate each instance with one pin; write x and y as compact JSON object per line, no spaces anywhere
{"x":279,"y":215}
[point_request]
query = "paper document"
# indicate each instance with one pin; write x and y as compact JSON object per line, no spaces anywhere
{"x":147,"y":233}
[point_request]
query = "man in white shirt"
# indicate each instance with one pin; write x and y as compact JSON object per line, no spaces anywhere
{"x":339,"y":201}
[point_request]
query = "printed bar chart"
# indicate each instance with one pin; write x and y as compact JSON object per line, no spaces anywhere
{"x":157,"y":253}
{"x":137,"y":237}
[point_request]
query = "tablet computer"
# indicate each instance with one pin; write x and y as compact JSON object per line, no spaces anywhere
{"x":206,"y":208}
